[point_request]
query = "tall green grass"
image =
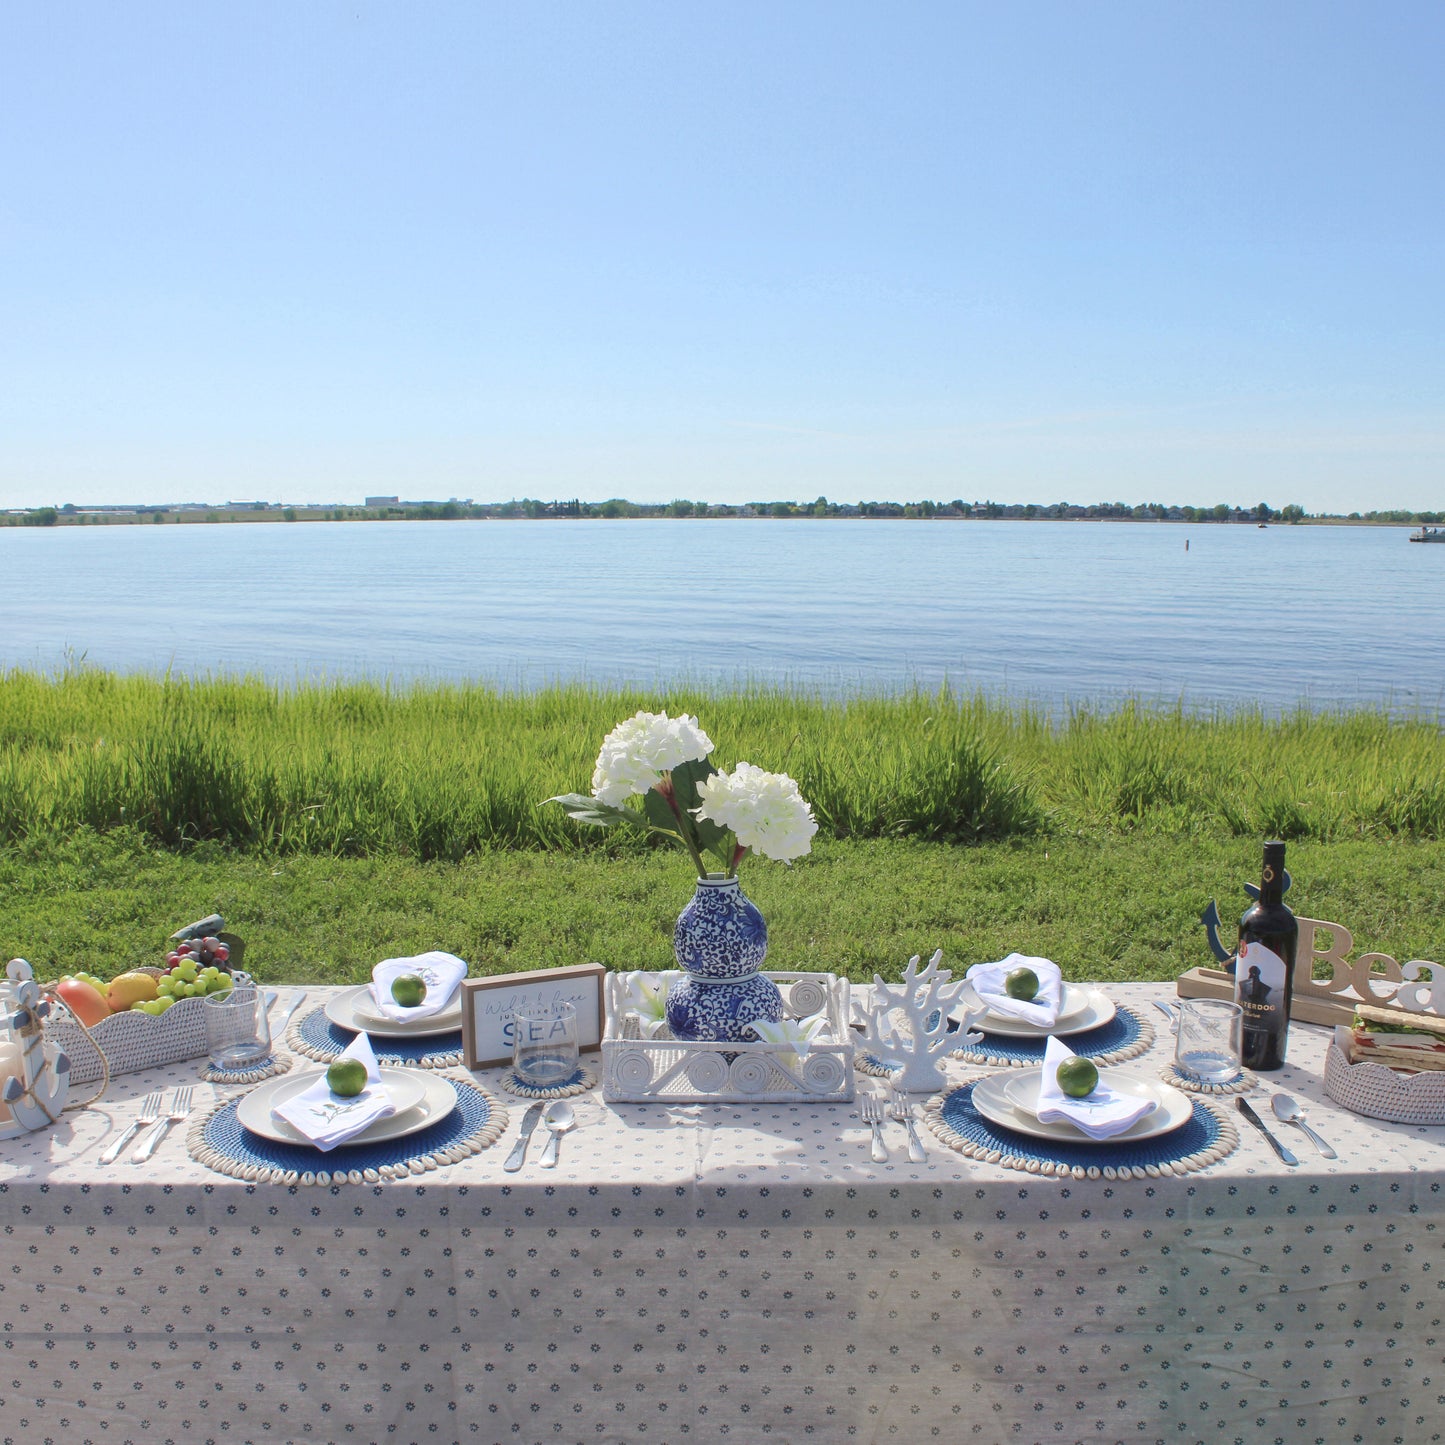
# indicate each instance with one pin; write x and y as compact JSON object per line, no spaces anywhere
{"x":441,"y":771}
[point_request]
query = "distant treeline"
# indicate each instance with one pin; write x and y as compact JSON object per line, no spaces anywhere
{"x":394,"y":509}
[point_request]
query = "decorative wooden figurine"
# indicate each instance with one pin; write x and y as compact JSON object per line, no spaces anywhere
{"x":907,"y":1024}
{"x":36,"y":1095}
{"x":1372,"y":978}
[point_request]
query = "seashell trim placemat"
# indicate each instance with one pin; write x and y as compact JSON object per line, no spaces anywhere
{"x":220,"y":1142}
{"x":580,"y":1082}
{"x":1125,"y":1036}
{"x":314,"y":1036}
{"x":1171,"y":1073}
{"x":1204,"y":1140}
{"x":269,"y":1067}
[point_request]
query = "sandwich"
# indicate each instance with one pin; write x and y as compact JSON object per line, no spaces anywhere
{"x":1410,"y":1042}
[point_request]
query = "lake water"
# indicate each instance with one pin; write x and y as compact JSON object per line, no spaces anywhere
{"x":1052,"y":612}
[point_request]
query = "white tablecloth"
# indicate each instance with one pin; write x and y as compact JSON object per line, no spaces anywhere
{"x":739,"y":1273}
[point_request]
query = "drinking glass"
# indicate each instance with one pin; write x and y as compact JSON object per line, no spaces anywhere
{"x":1206,"y":1046}
{"x":544,"y":1043}
{"x":238,"y":1032}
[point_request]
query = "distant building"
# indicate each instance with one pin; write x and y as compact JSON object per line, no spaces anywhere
{"x":247,"y":506}
{"x":383,"y":501}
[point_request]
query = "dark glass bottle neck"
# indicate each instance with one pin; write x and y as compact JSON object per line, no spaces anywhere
{"x":1271,"y":882}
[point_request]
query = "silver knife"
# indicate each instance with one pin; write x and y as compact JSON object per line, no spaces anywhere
{"x":519,"y":1150}
{"x":1259,"y":1124}
{"x":291,"y":1007}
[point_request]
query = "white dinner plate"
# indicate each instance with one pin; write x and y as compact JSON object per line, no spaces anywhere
{"x":355,"y":1009}
{"x":1083,"y":1009}
{"x":995,"y":1098}
{"x":421,"y":1099}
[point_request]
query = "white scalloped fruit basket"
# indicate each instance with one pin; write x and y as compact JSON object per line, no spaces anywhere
{"x":670,"y":1071}
{"x":131,"y":1040}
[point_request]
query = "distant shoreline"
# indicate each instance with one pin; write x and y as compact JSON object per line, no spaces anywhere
{"x":191,"y":514}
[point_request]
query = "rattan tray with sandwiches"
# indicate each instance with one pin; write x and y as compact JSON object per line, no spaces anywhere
{"x":1389,"y":1063}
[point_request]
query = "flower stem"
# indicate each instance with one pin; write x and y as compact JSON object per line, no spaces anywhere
{"x":739,"y":853}
{"x":669,"y":795}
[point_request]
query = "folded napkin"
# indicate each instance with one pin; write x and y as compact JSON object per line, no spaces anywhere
{"x":443,"y":973}
{"x":1101,"y":1115}
{"x":1043,"y":1009}
{"x":328,"y":1120}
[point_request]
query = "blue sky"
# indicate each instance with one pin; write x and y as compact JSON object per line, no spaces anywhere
{"x":1036,"y":252}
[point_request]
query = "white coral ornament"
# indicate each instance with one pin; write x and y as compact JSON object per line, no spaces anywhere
{"x":907,"y":1024}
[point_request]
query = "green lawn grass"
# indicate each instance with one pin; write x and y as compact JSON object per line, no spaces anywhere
{"x":1104,"y":906}
{"x":337,"y":824}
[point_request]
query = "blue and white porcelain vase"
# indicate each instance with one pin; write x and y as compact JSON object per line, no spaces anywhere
{"x":720,"y":942}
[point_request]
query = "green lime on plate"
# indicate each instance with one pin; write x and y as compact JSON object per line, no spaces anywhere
{"x":346,"y":1077}
{"x":1022,"y":984}
{"x":408,"y":989}
{"x":1077,"y":1077}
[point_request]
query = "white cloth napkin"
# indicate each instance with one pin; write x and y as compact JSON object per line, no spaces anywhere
{"x":443,"y":973}
{"x":1043,"y":1009}
{"x":1101,"y":1115}
{"x":327,"y":1120}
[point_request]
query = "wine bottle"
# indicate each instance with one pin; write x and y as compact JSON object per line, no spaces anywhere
{"x":1264,"y":968}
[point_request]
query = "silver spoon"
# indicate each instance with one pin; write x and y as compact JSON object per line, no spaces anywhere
{"x":1289,"y":1112}
{"x":559,"y":1118}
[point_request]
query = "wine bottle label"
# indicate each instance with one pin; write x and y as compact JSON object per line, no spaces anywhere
{"x":1261,"y":979}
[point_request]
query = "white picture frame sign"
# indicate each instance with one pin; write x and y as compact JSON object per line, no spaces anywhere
{"x":487,"y":1005}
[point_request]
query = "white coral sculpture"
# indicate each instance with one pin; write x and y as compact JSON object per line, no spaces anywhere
{"x":907,"y":1024}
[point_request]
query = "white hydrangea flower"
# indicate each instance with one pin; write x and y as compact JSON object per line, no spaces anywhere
{"x":764,"y":810}
{"x":636,"y":753}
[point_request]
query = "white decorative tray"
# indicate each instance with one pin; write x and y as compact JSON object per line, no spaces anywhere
{"x":1381,"y":1093}
{"x":131,"y":1040}
{"x":670,"y":1071}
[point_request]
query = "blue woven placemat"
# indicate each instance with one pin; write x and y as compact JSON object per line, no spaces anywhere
{"x":318,"y":1038}
{"x":221,"y":1142}
{"x":1202,"y":1140}
{"x":1125,"y":1036}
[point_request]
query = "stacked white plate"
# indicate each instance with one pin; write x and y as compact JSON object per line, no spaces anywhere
{"x":355,"y":1009}
{"x":1082,"y":1009}
{"x":1012,"y":1101}
{"x":421,"y":1098}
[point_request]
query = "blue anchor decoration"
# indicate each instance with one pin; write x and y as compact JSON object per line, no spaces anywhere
{"x":37,"y":1096}
{"x":1210,"y":919}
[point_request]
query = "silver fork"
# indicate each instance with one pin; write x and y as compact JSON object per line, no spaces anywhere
{"x":180,"y":1108}
{"x":150,"y":1111}
{"x":903,"y":1111}
{"x":873,"y":1115}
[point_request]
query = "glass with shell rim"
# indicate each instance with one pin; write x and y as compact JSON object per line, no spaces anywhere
{"x":544,"y":1043}
{"x":238,"y":1029}
{"x":1206,"y":1042}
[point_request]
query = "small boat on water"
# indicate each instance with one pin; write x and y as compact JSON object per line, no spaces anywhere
{"x":1428,"y":534}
